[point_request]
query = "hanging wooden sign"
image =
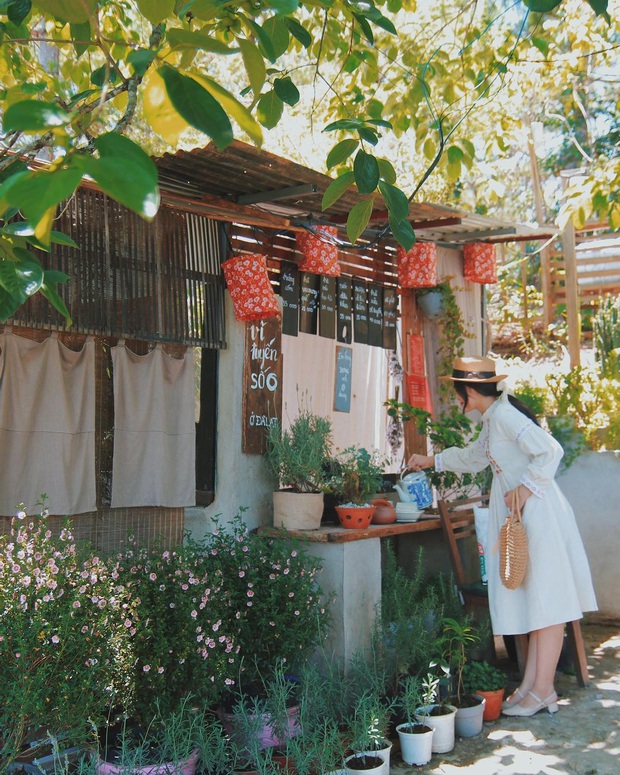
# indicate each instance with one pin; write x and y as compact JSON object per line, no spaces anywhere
{"x":289,"y":291}
{"x":262,"y":383}
{"x":345,"y":309}
{"x":342,"y":385}
{"x":308,"y":314}
{"x":416,"y":355}
{"x":360,"y":312}
{"x":390,"y":316}
{"x":375,"y":315}
{"x":327,"y":307}
{"x":417,"y":392}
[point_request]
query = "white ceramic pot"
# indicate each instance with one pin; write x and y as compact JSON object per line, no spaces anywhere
{"x":384,"y":752}
{"x":297,"y":510}
{"x":469,"y":721}
{"x":443,"y":736}
{"x":415,"y":747}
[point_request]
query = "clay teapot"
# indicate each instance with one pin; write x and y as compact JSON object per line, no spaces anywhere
{"x":385,"y":513}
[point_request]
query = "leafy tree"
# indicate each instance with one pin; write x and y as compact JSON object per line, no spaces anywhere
{"x":86,"y":81}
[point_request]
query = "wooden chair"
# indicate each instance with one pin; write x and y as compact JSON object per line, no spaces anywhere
{"x":458,"y":525}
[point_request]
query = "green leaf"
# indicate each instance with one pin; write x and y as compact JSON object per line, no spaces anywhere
{"x":277,"y":30}
{"x":194,"y":104}
{"x":358,"y":218}
{"x":80,"y":32}
{"x":379,"y":122}
{"x":21,"y":278}
{"x":235,"y":109}
{"x":541,"y":44}
{"x":156,"y":10}
{"x":455,"y":154}
{"x":403,"y":232}
{"x":34,"y":116}
{"x":366,"y":171}
{"x":344,"y":123}
{"x":69,"y":10}
{"x":381,"y":21}
{"x":264,"y":41}
{"x":387,"y":171}
{"x":286,"y":90}
{"x":103,"y":74}
{"x":269,"y":109}
{"x":340,"y":152}
{"x":542,"y":6}
{"x":81,"y":96}
{"x":429,"y":149}
{"x":34,"y":193}
{"x":141,"y":60}
{"x":283,"y":7}
{"x":598,"y":6}
{"x":366,"y":29}
{"x":125,"y":172}
{"x":48,"y":289}
{"x":369,"y":135}
{"x":179,"y":38}
{"x":396,"y":201}
{"x":298,"y":32}
{"x":8,"y":304}
{"x":254,"y":65}
{"x":18,"y":10}
{"x":336,"y":189}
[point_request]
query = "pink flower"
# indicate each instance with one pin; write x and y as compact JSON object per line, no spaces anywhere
{"x":55,"y":639}
{"x":152,"y":576}
{"x":160,"y":670}
{"x":241,"y":574}
{"x":77,"y":604}
{"x":146,"y":668}
{"x":250,"y":593}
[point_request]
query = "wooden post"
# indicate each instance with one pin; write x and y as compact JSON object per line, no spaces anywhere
{"x":545,"y":270}
{"x":573,"y":309}
{"x":411,"y":324}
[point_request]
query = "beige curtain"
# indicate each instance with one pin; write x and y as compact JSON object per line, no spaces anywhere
{"x":154,"y":431}
{"x":47,"y":425}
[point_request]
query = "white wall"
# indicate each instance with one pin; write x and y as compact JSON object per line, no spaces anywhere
{"x":592,"y":487}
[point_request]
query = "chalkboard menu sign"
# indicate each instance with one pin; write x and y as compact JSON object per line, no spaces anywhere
{"x":327,"y":307}
{"x":360,"y":312}
{"x":375,"y":315}
{"x":390,"y":313}
{"x":345,"y":308}
{"x":262,"y":383}
{"x":342,"y":386}
{"x":309,"y":308}
{"x":289,"y":291}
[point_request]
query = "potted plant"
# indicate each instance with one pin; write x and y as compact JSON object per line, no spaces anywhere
{"x":297,"y":460}
{"x":368,"y":727}
{"x":355,"y":475}
{"x":488,"y":681}
{"x":436,"y":713}
{"x":416,"y":739}
{"x":456,"y":638}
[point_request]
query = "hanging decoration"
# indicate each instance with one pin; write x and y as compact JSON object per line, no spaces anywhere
{"x":247,"y":280}
{"x":480,"y":262}
{"x":318,"y":255}
{"x":417,"y":268}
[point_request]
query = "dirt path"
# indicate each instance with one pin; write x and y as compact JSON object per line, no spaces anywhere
{"x":583,"y":738}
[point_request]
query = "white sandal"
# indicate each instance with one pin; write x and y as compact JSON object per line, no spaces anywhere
{"x":518,"y":694}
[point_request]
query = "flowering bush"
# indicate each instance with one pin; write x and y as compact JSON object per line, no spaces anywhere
{"x":60,"y":638}
{"x":174,"y":616}
{"x":273,"y":598}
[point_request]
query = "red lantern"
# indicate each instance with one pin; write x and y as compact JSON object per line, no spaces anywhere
{"x":319,"y":255}
{"x":417,"y":268}
{"x":247,"y":280}
{"x":480,"y":262}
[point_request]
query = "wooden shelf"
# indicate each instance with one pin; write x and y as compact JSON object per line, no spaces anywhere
{"x":334,"y":534}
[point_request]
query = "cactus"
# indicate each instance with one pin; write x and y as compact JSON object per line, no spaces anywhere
{"x":606,"y":332}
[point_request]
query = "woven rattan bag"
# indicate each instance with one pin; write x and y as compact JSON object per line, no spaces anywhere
{"x":513,"y":554}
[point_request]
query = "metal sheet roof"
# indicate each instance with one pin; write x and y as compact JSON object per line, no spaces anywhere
{"x":244,"y":182}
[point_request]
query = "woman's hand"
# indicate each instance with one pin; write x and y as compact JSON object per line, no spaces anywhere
{"x":522,"y":494}
{"x":418,"y":462}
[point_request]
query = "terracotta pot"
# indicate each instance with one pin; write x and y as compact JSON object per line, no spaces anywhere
{"x":385,"y":513}
{"x":356,"y":517}
{"x":493,"y":707}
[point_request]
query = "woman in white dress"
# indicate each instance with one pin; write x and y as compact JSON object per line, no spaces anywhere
{"x":558,"y":586}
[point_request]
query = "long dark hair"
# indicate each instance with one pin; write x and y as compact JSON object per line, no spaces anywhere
{"x":489,"y":390}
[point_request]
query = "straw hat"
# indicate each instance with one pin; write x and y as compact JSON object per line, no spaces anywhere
{"x":474,"y":370}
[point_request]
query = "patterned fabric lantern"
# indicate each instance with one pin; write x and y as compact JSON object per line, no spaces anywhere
{"x":319,"y":255}
{"x":480,"y":262}
{"x":247,"y":280}
{"x":417,"y":268}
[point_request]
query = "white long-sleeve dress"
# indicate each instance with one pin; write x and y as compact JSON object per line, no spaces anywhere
{"x":558,"y":586}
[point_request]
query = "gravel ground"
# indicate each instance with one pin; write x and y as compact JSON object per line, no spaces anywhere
{"x":583,"y":738}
